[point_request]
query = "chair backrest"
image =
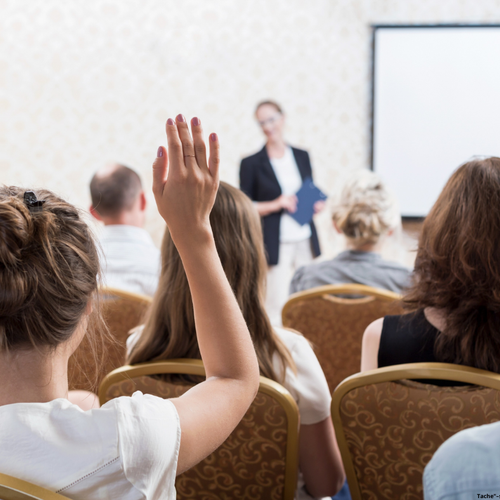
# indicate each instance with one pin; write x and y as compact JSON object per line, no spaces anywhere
{"x":389,"y":423}
{"x":12,"y":488}
{"x":335,"y":325}
{"x":260,"y":457}
{"x":90,"y":363}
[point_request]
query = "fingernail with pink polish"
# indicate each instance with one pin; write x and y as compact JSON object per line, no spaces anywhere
{"x":160,"y":150}
{"x":196,"y":122}
{"x":180,"y":118}
{"x":213,"y":137}
{"x":170,"y":122}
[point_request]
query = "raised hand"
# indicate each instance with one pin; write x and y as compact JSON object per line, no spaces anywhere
{"x":184,"y":182}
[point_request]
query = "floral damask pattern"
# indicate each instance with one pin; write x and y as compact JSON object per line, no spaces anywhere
{"x":250,"y":464}
{"x":335,"y":328}
{"x":102,"y":352}
{"x":393,"y":429}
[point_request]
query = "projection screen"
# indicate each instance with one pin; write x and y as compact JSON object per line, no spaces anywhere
{"x":435,"y":105}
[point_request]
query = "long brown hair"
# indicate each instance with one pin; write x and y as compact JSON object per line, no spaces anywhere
{"x":457,"y":268}
{"x":48,"y":270}
{"x":170,"y":331}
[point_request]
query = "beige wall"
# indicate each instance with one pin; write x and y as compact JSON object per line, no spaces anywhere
{"x":83,"y":83}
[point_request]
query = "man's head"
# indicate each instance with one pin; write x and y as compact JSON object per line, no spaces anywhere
{"x":117,"y":196}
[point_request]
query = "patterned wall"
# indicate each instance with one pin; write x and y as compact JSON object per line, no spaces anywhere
{"x":86,"y":82}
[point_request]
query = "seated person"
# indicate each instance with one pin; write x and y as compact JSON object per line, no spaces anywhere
{"x":284,"y":356}
{"x":465,"y":466}
{"x":366,"y":215}
{"x":455,"y":298}
{"x":130,"y":261}
{"x":131,"y":447}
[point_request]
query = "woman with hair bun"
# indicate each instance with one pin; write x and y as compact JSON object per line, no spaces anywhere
{"x":454,"y":302}
{"x":366,"y":215}
{"x":131,"y":447}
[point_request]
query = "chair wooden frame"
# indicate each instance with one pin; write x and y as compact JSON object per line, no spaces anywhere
{"x":195,"y":367}
{"x":123,"y":294}
{"x":12,"y":488}
{"x":411,"y":371}
{"x":329,"y":291}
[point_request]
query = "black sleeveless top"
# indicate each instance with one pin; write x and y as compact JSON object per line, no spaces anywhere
{"x":407,"y":338}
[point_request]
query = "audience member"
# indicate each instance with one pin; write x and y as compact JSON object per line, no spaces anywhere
{"x":130,"y":260}
{"x":465,"y":466}
{"x":366,"y":215}
{"x":455,"y":298}
{"x":284,"y":356}
{"x":131,"y":447}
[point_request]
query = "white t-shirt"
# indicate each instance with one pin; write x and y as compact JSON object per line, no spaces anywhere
{"x":290,"y":181}
{"x":130,"y":260}
{"x":308,"y":386}
{"x":127,"y":449}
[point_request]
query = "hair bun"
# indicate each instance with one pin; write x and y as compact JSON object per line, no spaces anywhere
{"x":15,"y":230}
{"x":367,"y":210}
{"x":15,"y":234}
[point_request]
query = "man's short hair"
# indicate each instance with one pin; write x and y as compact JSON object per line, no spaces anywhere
{"x":114,"y":190}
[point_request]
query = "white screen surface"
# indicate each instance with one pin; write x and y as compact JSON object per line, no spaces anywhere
{"x":436,"y":104}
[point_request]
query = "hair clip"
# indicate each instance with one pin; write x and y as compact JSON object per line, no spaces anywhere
{"x":33,"y":204}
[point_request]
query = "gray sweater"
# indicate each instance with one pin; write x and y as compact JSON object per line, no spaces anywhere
{"x":351,"y":266}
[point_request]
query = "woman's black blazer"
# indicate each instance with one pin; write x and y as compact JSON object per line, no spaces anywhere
{"x":259,"y":182}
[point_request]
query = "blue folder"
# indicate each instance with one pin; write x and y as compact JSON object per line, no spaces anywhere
{"x":307,"y":196}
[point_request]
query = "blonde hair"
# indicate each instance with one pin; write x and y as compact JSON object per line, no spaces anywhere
{"x":170,"y":330}
{"x":367,"y":209}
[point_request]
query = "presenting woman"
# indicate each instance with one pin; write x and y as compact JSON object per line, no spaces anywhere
{"x":271,"y":178}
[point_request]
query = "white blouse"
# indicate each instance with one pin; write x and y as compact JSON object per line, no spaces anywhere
{"x":127,"y":449}
{"x":290,"y":181}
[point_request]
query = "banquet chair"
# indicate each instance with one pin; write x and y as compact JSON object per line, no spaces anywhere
{"x":100,"y":354}
{"x":12,"y":488}
{"x":390,"y":421}
{"x":333,"y":318}
{"x":260,"y":457}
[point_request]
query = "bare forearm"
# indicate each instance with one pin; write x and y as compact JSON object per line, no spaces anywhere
{"x":320,"y":460}
{"x":267,"y":207}
{"x":224,"y":340}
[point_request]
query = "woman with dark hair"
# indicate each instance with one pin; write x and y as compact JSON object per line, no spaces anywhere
{"x":454,"y":302}
{"x":271,"y":178}
{"x":131,"y":447}
{"x":284,"y":356}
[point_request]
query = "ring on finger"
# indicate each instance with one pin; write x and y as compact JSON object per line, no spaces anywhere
{"x":189,"y":156}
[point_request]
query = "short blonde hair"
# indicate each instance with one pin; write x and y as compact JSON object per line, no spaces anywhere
{"x":367,"y":209}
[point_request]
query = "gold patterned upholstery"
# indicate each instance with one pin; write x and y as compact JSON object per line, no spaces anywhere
{"x":259,"y":459}
{"x":388,"y":425}
{"x":12,"y":488}
{"x":335,"y":325}
{"x":121,"y":312}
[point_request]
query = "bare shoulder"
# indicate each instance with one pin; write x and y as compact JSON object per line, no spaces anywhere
{"x":374,"y":329}
{"x":370,"y":345}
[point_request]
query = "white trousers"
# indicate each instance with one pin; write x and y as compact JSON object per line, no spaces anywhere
{"x":291,"y":257}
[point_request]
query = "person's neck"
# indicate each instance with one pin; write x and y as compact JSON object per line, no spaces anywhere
{"x":367,"y":247}
{"x":276,"y":148}
{"x":135,"y":219}
{"x":436,"y":317}
{"x":31,"y":376}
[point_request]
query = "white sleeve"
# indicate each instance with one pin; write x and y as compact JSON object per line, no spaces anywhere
{"x":149,"y":437}
{"x":309,"y":386}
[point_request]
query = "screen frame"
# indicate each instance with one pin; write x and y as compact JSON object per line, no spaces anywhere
{"x":373,"y":62}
